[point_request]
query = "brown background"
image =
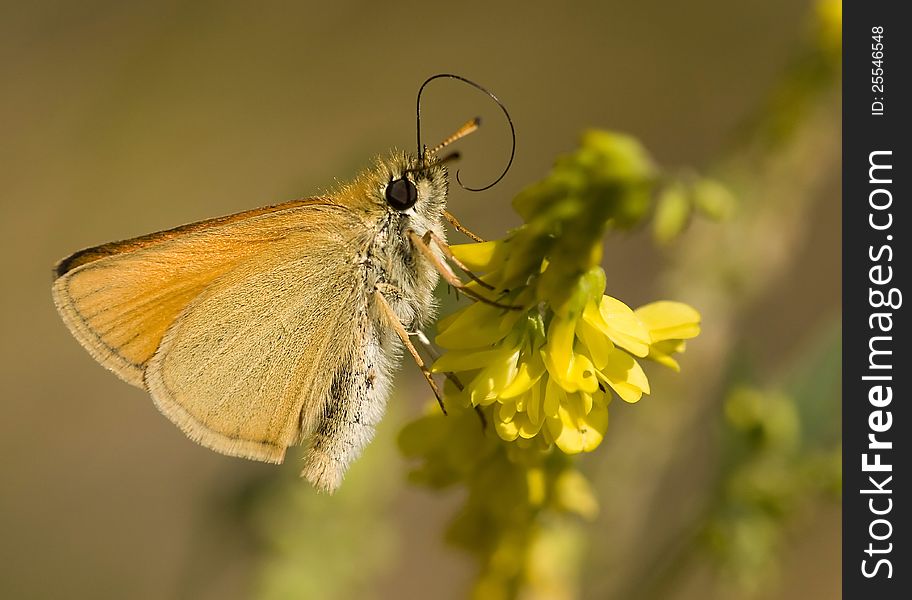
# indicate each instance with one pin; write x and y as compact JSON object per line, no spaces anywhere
{"x":118,"y":119}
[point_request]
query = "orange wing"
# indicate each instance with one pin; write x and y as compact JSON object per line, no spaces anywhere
{"x":118,"y":299}
{"x":230,"y":324}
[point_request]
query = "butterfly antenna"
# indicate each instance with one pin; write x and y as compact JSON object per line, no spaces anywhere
{"x":422,"y":150}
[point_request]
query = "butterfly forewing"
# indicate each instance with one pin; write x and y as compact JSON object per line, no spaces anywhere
{"x":119,"y":298}
{"x":234,"y":342}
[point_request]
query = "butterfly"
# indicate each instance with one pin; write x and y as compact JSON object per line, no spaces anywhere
{"x":261,"y":330}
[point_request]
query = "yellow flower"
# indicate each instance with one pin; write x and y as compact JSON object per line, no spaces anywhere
{"x":614,"y":335}
{"x":549,"y":375}
{"x":544,"y":374}
{"x":669,"y":324}
{"x":571,"y":370}
{"x":580,"y":423}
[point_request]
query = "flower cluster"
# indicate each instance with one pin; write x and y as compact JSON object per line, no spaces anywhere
{"x":546,"y":370}
{"x":548,"y":374}
{"x":540,"y":361}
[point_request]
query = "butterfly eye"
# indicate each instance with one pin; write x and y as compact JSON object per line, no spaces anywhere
{"x":401,"y":194}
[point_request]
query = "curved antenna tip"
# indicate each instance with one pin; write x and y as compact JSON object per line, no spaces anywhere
{"x":422,"y":149}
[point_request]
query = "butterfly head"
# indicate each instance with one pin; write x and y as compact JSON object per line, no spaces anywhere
{"x":412,"y":187}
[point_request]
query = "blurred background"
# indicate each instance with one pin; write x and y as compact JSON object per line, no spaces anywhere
{"x":119,"y":119}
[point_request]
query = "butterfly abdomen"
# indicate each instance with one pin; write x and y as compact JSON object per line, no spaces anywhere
{"x":356,"y":403}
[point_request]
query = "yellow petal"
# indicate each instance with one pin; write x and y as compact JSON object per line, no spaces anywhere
{"x":625,"y":376}
{"x":668,"y":320}
{"x":583,"y":375}
{"x":482,"y":257}
{"x":506,"y":430}
{"x":506,"y":411}
{"x":596,"y":424}
{"x":661,"y":352}
{"x":587,"y":401}
{"x":681,"y":332}
{"x":558,"y":351}
{"x":522,"y":399}
{"x":558,"y":431}
{"x":571,"y":370}
{"x":554,"y":396}
{"x":617,"y":322}
{"x":475,"y":326}
{"x":527,"y":429}
{"x":531,"y":368}
{"x":469,"y":360}
{"x":533,"y":402}
{"x":574,"y":431}
{"x":596,"y":342}
{"x":670,"y":346}
{"x":546,"y":436}
{"x":627,"y":392}
{"x":624,"y":328}
{"x":486,"y":386}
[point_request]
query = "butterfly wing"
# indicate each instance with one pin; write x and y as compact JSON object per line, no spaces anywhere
{"x":118,"y":299}
{"x":230,"y":324}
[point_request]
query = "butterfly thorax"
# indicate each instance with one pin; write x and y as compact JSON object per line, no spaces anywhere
{"x":388,"y":259}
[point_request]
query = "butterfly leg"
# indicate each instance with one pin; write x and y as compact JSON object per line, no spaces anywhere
{"x":423,"y":246}
{"x":425,"y":343}
{"x":431,"y":351}
{"x":397,"y":326}
{"x":460,"y":227}
{"x":430,"y":236}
